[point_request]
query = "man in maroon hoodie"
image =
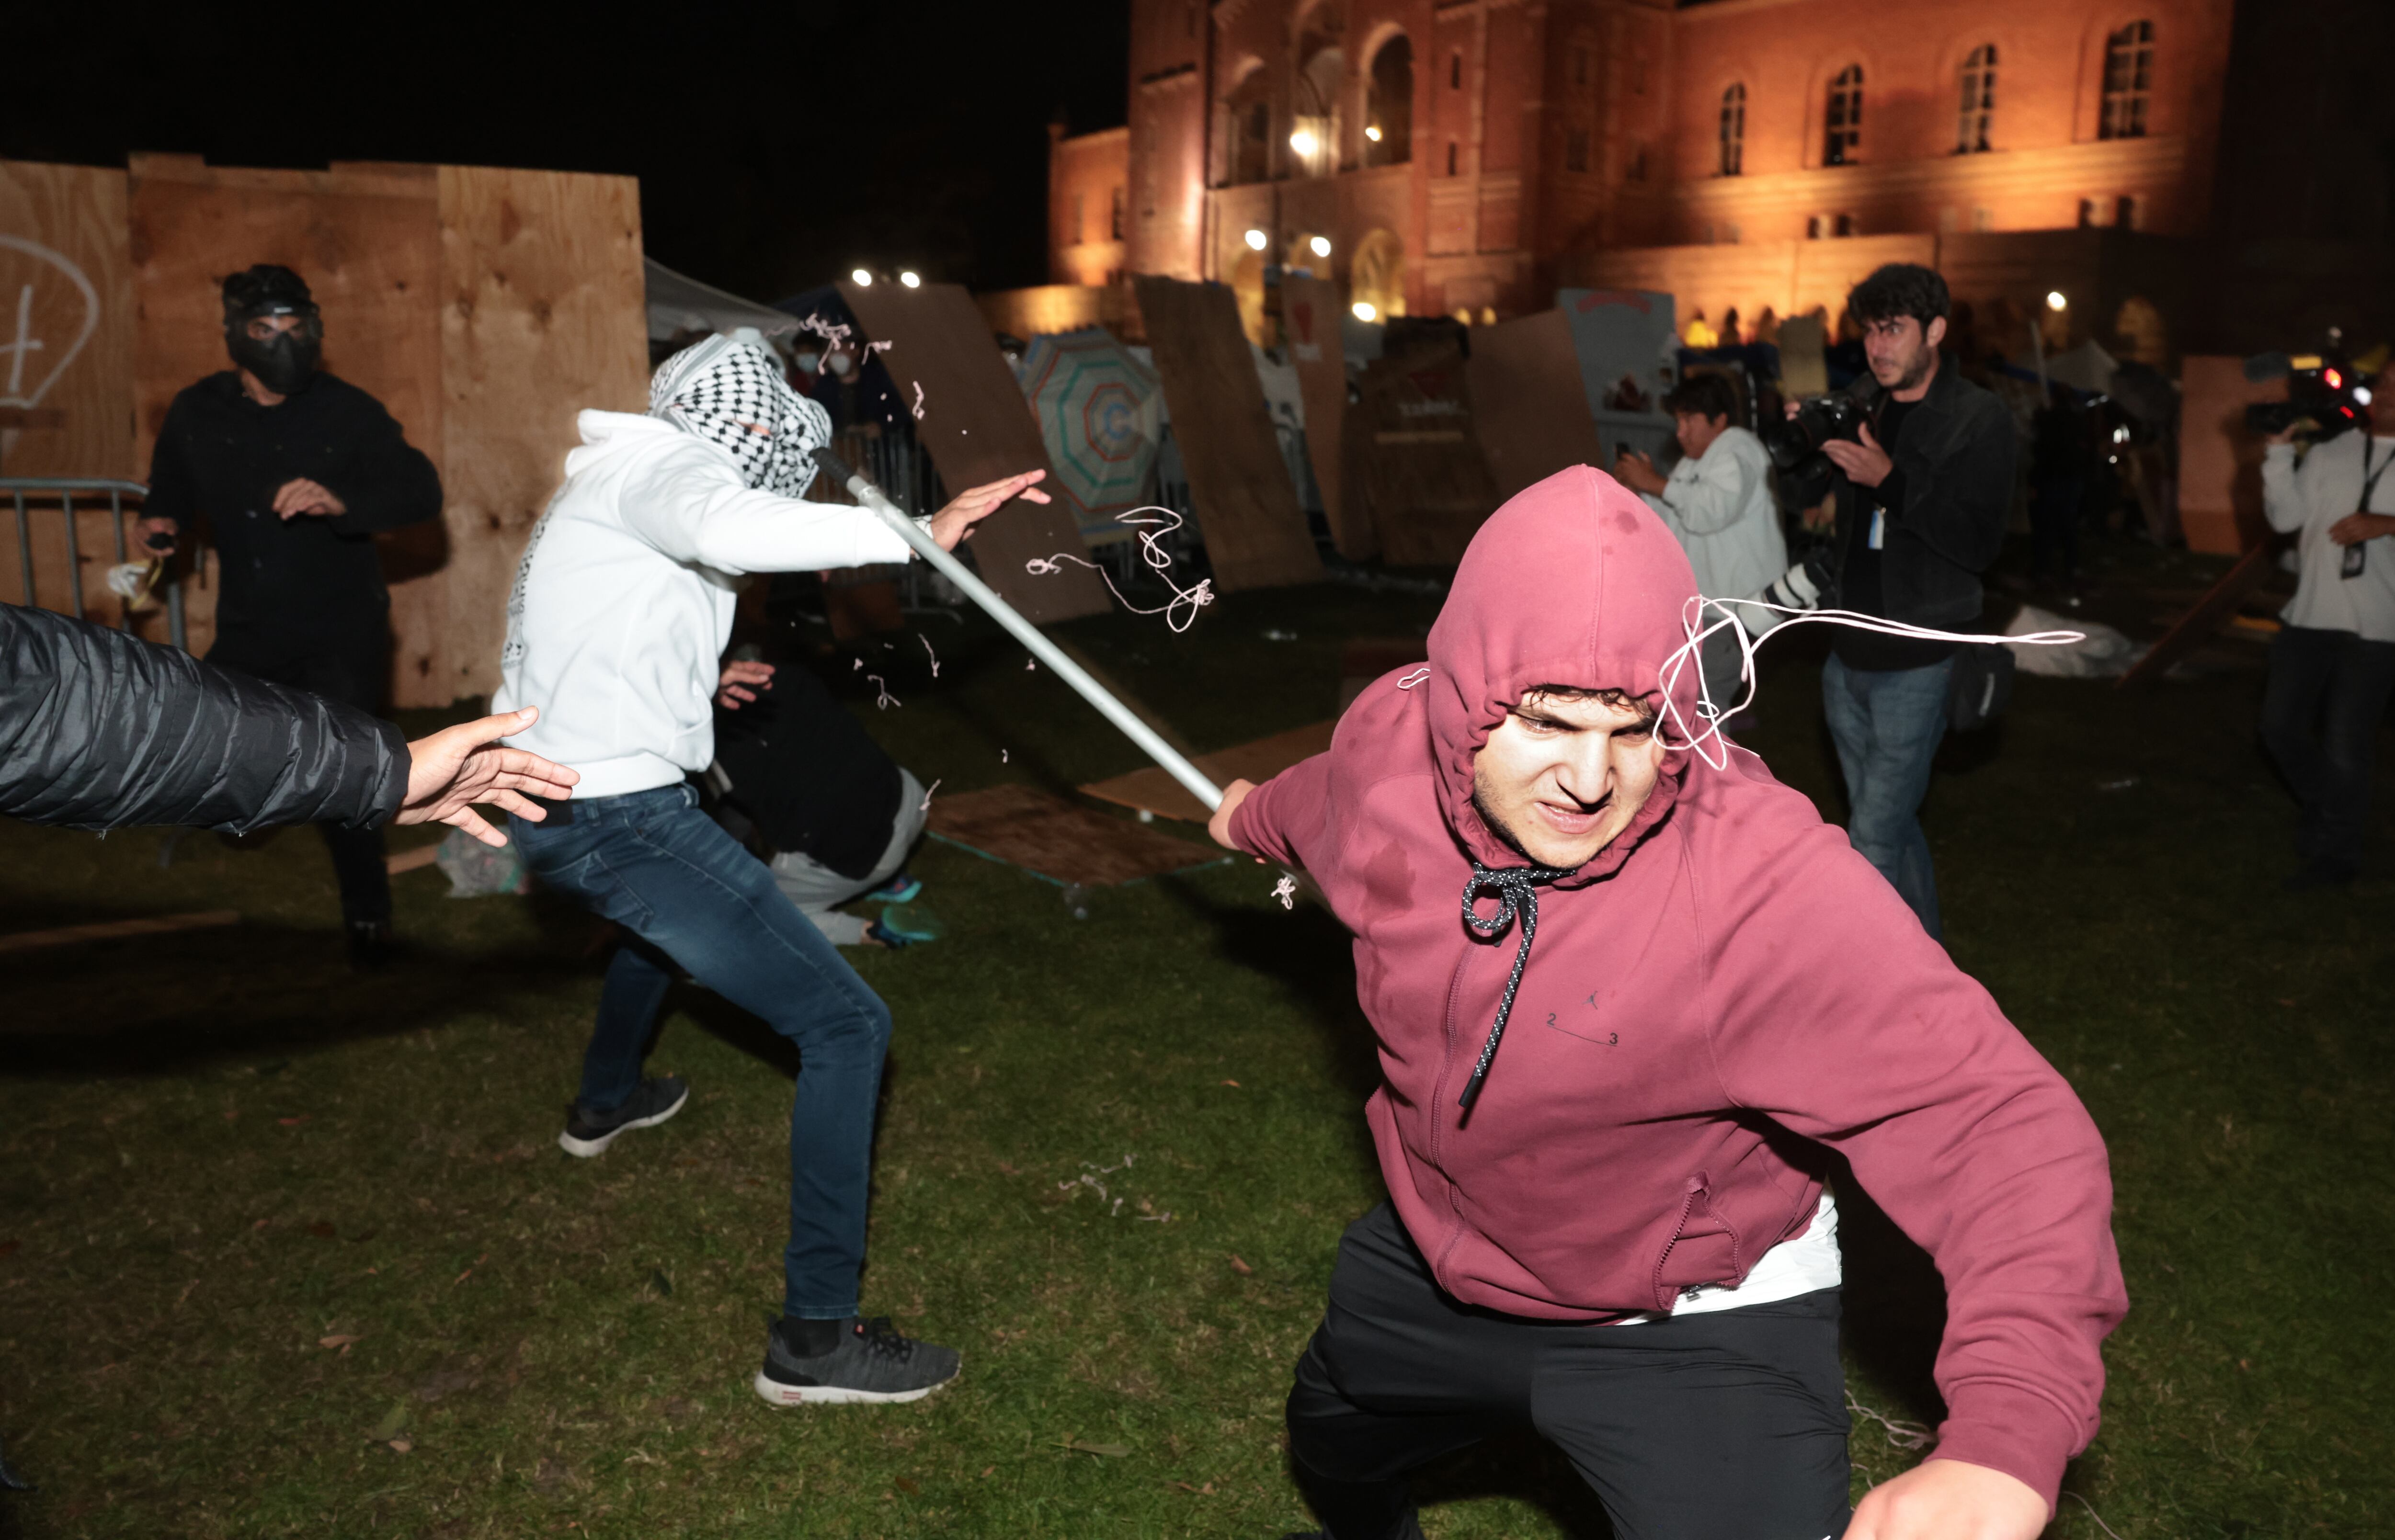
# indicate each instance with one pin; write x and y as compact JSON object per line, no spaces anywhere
{"x":1604,"y":1149}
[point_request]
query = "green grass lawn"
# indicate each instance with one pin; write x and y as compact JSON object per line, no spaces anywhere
{"x":285,"y":1252}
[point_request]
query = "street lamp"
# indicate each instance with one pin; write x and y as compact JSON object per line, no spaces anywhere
{"x":1372,"y":132}
{"x":1362,"y":311}
{"x":1320,"y":245}
{"x":861,"y":278}
{"x":2054,"y":300}
{"x":1258,"y":240}
{"x":912,"y":280}
{"x":1304,"y":141}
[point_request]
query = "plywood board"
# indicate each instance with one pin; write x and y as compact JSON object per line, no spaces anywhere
{"x":1153,"y":790}
{"x":1430,"y":483}
{"x":66,"y":365}
{"x":1310,"y":315}
{"x":978,"y":427}
{"x":541,"y":315}
{"x":1528,"y":404}
{"x":1046,"y":834}
{"x":365,"y":237}
{"x":1256,"y":534}
{"x":2219,"y":458}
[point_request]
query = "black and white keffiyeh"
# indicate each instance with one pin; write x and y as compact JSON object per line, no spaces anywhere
{"x":730,"y":391}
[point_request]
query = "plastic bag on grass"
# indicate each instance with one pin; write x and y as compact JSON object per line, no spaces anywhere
{"x":475,"y":869}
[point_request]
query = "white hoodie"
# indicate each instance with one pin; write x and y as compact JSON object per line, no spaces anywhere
{"x":1719,"y":506}
{"x":623,"y":603}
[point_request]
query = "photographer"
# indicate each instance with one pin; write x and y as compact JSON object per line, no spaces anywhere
{"x":1921,"y":495}
{"x":1717,"y":504}
{"x":2333,"y":663}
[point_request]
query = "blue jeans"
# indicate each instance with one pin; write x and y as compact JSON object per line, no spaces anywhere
{"x":654,"y":864}
{"x":1887,"y":725}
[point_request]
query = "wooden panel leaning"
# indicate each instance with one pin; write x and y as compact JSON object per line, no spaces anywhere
{"x":1256,"y":534}
{"x":1430,"y":483}
{"x":1528,"y":404}
{"x":978,"y":427}
{"x":542,"y":315}
{"x":66,"y":370}
{"x":1310,"y":310}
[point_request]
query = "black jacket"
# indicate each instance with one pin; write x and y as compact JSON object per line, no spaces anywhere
{"x":808,"y":775}
{"x":1956,"y":454}
{"x":222,"y":454}
{"x":99,"y":730}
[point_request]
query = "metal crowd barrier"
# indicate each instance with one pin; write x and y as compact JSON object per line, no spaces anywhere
{"x":65,"y":488}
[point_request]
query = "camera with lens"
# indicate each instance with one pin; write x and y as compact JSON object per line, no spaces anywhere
{"x":2324,"y":396}
{"x":1796,"y":445}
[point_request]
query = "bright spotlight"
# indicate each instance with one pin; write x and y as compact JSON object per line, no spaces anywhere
{"x":2362,"y":395}
{"x":1319,"y":245}
{"x":1372,"y":132}
{"x":861,"y":278}
{"x":1362,"y":311}
{"x":1258,"y":240}
{"x":2054,"y":300}
{"x":1304,"y":141}
{"x":912,"y":280}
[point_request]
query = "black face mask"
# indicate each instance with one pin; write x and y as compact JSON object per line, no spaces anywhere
{"x":281,"y":364}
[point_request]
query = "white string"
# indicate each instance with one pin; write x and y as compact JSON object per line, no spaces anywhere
{"x":1417,"y":676}
{"x":2093,"y":1514}
{"x":887,"y":700}
{"x":927,"y":647}
{"x":1713,"y":714}
{"x":1184,"y":602}
{"x":919,"y":401}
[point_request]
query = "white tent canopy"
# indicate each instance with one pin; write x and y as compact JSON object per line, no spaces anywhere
{"x":679,"y":305}
{"x":2085,"y":367}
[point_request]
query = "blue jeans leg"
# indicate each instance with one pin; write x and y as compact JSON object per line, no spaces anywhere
{"x":638,"y":976}
{"x":1887,"y":725}
{"x":654,"y":864}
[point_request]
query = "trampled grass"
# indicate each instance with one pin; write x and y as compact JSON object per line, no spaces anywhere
{"x":284,"y":1252}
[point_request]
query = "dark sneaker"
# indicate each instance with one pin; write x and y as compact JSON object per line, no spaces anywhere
{"x":587,"y":1133}
{"x":902,"y":889}
{"x":369,"y":944}
{"x":870,"y":1363}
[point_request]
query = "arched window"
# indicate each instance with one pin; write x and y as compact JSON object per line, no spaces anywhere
{"x":1389,"y":105}
{"x":1843,"y":124}
{"x":1377,"y":276}
{"x":2128,"y":75}
{"x":1733,"y":130}
{"x":1978,"y":101}
{"x":1314,"y":131}
{"x":1249,"y":111}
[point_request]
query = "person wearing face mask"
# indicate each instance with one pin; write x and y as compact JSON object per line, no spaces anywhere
{"x":1613,"y":1084}
{"x":295,"y":470}
{"x":616,"y":626}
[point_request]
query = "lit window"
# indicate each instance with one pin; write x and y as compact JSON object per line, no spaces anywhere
{"x":1978,"y":101}
{"x":1813,"y":226}
{"x":1389,"y":106}
{"x":1576,"y":150}
{"x":1843,"y":125}
{"x":2128,"y":76}
{"x":1733,"y":130}
{"x":1114,"y":217}
{"x":1845,"y":226}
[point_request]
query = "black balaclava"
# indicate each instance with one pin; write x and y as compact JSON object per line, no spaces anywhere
{"x":285,"y":362}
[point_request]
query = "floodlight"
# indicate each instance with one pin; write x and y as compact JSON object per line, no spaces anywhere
{"x":861,"y":278}
{"x":1372,"y":132}
{"x":1304,"y":141}
{"x":1258,"y":240}
{"x":912,"y":280}
{"x":2054,"y":300}
{"x":1363,"y":311}
{"x":1320,"y":245}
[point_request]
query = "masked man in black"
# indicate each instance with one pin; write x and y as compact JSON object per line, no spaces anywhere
{"x":295,"y":470}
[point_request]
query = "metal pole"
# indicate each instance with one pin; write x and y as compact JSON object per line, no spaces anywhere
{"x":24,"y":550}
{"x":1164,"y":753}
{"x":75,"y":554}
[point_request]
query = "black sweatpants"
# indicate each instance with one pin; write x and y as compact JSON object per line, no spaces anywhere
{"x":349,"y":668}
{"x":2321,"y":715}
{"x":1726,"y":1425}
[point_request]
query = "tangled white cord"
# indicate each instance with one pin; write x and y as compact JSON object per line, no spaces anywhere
{"x":1184,"y":602}
{"x":1692,"y":624}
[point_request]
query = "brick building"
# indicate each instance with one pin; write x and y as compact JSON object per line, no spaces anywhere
{"x":1470,"y":157}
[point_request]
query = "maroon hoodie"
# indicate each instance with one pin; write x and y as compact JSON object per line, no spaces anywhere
{"x":1725,"y":974}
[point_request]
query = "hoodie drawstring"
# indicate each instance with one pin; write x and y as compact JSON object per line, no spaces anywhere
{"x":1516,"y":894}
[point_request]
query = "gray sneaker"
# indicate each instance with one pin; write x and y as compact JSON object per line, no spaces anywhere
{"x":658,"y":1098}
{"x":870,"y":1363}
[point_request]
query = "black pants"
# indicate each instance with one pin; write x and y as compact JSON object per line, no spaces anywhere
{"x":2321,"y":715}
{"x":349,"y":668}
{"x":1728,"y":1426}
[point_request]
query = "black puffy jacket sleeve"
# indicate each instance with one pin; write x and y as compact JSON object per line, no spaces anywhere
{"x":99,"y":730}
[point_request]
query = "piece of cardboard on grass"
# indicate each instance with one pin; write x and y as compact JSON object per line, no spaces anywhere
{"x":1311,"y":316}
{"x":1527,"y":402}
{"x":1049,"y":837}
{"x":1247,"y":515}
{"x":1152,"y":790}
{"x":1429,"y":479}
{"x":978,"y":428}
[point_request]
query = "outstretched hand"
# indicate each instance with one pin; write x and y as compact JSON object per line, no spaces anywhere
{"x":738,"y":674}
{"x":953,"y":523}
{"x":1950,"y":1500}
{"x":1865,"y":463}
{"x":457,"y":767}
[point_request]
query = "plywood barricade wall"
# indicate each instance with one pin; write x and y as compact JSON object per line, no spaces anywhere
{"x":1528,"y":404}
{"x":66,"y":374}
{"x":2219,"y":457}
{"x":483,"y":307}
{"x":1256,"y":534}
{"x":1310,"y":312}
{"x":1430,"y":483}
{"x":978,"y":428}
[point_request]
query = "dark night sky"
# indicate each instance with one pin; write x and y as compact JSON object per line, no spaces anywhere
{"x":776,"y":145}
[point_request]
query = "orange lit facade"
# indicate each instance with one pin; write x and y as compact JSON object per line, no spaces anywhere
{"x":1470,"y":158}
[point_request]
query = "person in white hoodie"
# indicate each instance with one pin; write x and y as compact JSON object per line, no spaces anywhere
{"x":1717,"y":503}
{"x":617,"y":623}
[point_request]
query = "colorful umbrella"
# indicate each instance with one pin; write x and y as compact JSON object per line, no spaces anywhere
{"x":1098,"y":409}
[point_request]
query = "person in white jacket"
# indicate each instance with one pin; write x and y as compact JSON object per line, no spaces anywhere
{"x":617,"y":622}
{"x":2333,"y":662}
{"x":1717,"y":502}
